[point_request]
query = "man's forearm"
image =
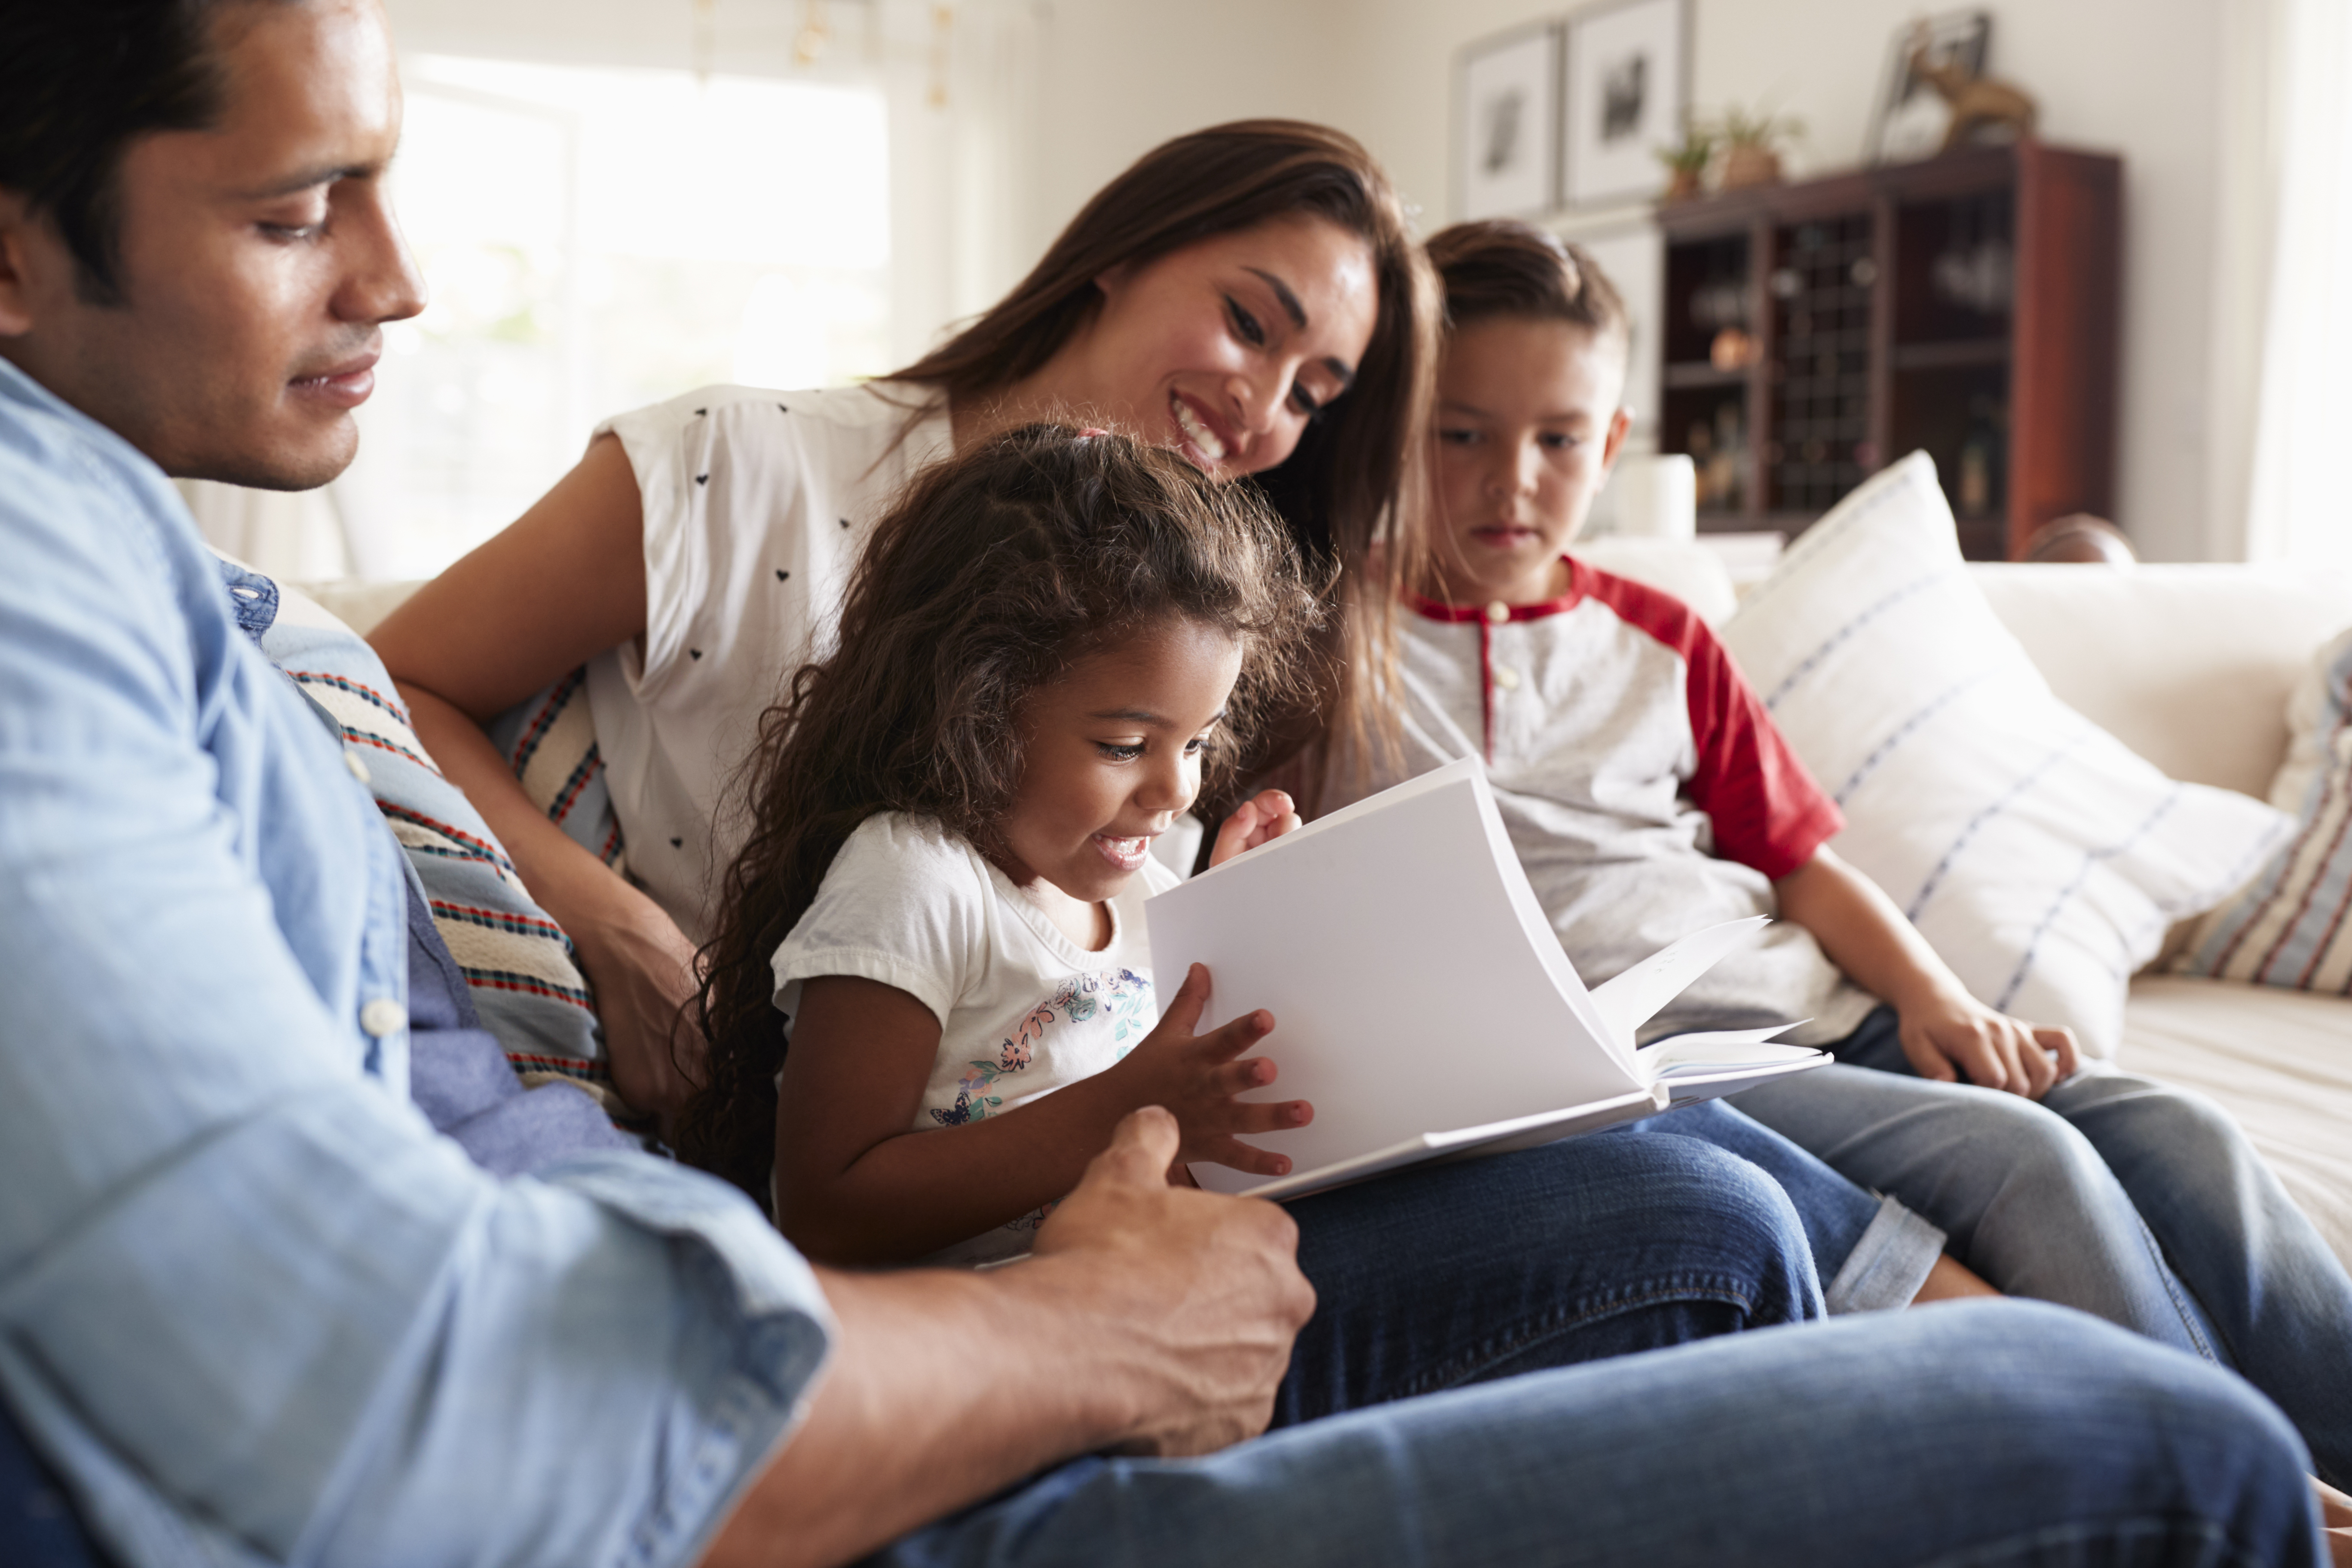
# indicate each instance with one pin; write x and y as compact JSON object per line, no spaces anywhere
{"x":1150,"y":1317}
{"x":909,"y":1423}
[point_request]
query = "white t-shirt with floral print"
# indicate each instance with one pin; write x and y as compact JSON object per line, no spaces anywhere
{"x":1022,"y":1008}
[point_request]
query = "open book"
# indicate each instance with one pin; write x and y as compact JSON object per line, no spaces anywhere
{"x":1421,"y":999}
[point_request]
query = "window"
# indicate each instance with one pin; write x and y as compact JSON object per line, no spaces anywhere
{"x":594,"y":240}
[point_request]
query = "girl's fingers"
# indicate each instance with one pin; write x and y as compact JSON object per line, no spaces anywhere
{"x":2039,"y":1071}
{"x":1227,"y":1041}
{"x":1184,"y":1008}
{"x":1243,"y":1157}
{"x":1241,"y":1077}
{"x":1281,"y":1116}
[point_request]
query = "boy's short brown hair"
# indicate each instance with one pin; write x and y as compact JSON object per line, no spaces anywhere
{"x":1502,"y":268}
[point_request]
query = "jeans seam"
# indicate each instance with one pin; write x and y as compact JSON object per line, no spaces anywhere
{"x":1532,"y":1332}
{"x":2039,"y":1543}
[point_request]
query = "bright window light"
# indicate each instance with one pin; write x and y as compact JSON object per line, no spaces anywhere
{"x":594,"y":240}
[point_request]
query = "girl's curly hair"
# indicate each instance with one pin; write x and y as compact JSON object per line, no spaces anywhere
{"x":997,"y":571}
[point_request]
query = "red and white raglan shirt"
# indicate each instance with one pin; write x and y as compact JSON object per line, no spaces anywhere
{"x":1642,"y":782}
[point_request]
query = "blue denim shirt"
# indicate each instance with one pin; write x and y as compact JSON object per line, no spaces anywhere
{"x":251,"y":1306}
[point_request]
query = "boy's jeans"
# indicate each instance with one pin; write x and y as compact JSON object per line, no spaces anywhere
{"x":2124,"y":1197}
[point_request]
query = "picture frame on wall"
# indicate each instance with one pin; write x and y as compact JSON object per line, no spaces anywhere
{"x":1628,"y":95}
{"x":1506,"y":124}
{"x":1912,"y":117}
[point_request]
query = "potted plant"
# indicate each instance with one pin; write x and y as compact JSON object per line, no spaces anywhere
{"x":1686,"y":160}
{"x":1751,"y":146}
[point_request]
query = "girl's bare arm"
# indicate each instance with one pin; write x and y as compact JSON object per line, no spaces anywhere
{"x":854,"y":1185}
{"x":564,"y":583}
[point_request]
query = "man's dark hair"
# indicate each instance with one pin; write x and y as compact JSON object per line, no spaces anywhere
{"x":80,"y":80}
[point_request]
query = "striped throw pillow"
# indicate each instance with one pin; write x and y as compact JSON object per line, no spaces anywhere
{"x":518,"y":964}
{"x":2042,"y":857}
{"x":2292,"y":924}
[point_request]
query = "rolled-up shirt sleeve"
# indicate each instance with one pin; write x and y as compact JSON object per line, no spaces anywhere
{"x":251,"y":1306}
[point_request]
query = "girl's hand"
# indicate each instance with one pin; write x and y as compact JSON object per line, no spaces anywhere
{"x":1264,"y":817}
{"x":1196,"y":1078}
{"x":1947,"y":1031}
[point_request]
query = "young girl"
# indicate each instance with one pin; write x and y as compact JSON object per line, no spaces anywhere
{"x":1648,"y":794}
{"x":1051,"y":643}
{"x":1044,"y":653}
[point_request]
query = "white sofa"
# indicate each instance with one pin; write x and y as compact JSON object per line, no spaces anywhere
{"x":2191,"y":666}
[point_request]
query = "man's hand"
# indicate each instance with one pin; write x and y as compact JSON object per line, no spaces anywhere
{"x":1196,"y":1080}
{"x":1204,"y":1290}
{"x":642,"y":970}
{"x":1152,"y":1319}
{"x":1948,"y":1035}
{"x":1264,"y":817}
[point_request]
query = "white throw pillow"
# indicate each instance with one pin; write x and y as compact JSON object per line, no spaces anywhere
{"x":2042,"y":857}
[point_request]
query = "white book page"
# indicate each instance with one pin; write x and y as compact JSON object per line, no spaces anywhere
{"x":1631,"y":999}
{"x":1408,"y":995}
{"x":1724,"y":1061}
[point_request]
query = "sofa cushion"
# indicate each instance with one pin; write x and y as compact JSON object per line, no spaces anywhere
{"x":2288,"y":926}
{"x":2188,"y":666}
{"x":2041,"y":856}
{"x":2278,"y":1061}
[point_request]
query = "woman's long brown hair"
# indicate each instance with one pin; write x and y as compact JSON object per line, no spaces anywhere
{"x":1355,"y":481}
{"x":997,"y":569}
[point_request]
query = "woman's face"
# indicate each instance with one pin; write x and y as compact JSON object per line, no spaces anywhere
{"x":1225,"y":349}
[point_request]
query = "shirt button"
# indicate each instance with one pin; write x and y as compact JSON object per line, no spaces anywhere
{"x":383,"y":1017}
{"x":352,"y":762}
{"x":1497,"y":612}
{"x":1506,"y":677}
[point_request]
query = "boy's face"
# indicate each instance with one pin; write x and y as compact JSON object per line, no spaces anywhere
{"x":1528,"y":426}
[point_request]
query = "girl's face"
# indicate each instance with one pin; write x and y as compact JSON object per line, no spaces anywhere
{"x":1112,"y":756}
{"x":1225,"y":349}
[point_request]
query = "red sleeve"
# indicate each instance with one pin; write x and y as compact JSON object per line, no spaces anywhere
{"x":1767,"y":812}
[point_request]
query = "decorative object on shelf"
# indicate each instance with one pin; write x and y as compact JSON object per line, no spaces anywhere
{"x":1628,"y":95}
{"x":1507,"y":123}
{"x":1686,"y":162}
{"x":1914,"y":117}
{"x":1731,"y":349}
{"x":1982,"y":110}
{"x":1751,"y":146}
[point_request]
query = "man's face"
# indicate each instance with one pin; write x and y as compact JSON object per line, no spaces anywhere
{"x":259,"y":258}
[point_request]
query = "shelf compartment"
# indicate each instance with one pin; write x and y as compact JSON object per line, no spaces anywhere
{"x":1681,"y":377}
{"x":1952,"y":355}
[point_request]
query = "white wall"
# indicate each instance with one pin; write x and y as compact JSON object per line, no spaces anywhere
{"x":2162,"y":82}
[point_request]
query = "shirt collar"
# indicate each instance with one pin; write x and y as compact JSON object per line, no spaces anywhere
{"x":1437,"y":610}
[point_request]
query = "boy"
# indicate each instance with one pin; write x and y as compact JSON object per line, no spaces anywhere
{"x":1648,"y":795}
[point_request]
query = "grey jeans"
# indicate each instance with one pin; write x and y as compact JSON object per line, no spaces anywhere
{"x":2130,"y":1199}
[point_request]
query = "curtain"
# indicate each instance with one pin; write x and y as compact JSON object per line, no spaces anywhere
{"x":2300,"y":508}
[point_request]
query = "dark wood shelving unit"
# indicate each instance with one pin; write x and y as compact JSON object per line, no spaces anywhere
{"x":1966,"y":305}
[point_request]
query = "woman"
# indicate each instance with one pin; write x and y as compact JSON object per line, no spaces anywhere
{"x":1249,"y":294}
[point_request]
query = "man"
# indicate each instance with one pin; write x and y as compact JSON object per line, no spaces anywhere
{"x":253,"y":1309}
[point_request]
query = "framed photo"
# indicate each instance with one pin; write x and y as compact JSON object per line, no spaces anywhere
{"x":1628,"y":90}
{"x":1506,"y":124}
{"x":1912,"y":115}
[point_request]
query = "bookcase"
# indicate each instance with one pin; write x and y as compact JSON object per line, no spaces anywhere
{"x":1966,"y":305}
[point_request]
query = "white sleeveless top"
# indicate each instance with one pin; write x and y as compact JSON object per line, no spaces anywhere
{"x":756,"y":506}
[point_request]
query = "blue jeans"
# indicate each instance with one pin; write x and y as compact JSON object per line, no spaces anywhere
{"x":1440,"y":1276}
{"x":2130,"y":1199}
{"x":1995,"y":1433}
{"x":1871,"y":1252}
